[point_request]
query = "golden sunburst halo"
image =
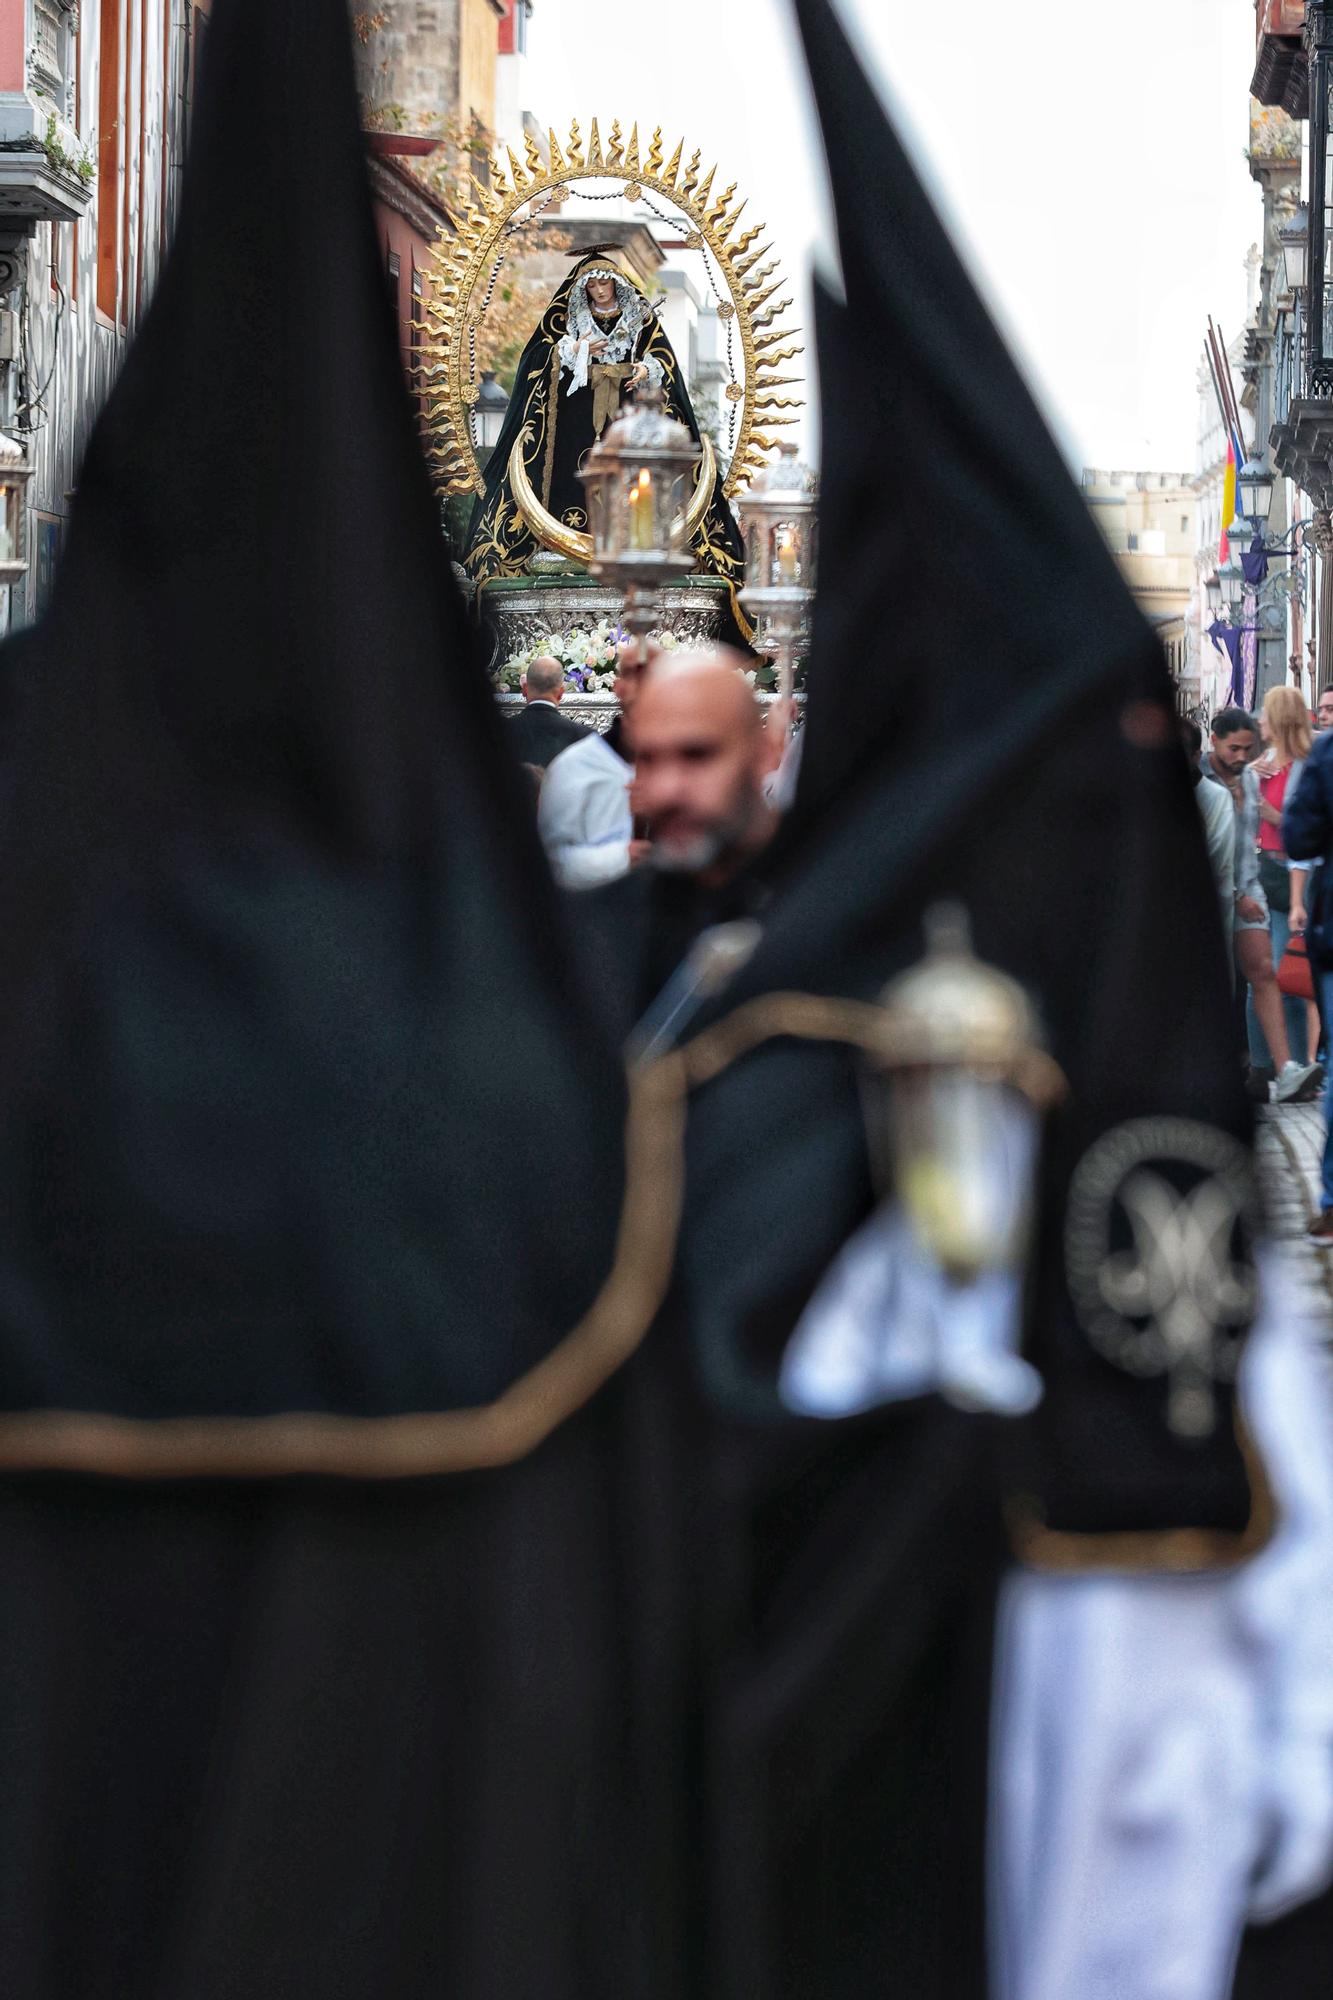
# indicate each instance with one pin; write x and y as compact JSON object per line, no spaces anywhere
{"x":463,"y":264}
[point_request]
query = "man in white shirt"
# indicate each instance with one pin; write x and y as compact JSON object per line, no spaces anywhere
{"x":1219,"y":824}
{"x":584,"y":815}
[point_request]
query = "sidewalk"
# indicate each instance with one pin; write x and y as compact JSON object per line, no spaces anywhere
{"x":1290,"y":1146}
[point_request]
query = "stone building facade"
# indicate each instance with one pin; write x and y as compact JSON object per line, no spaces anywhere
{"x":94,"y":110}
{"x":432,"y":63}
{"x":1149,"y":520}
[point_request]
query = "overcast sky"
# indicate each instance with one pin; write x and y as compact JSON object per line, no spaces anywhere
{"x":1091,"y":159}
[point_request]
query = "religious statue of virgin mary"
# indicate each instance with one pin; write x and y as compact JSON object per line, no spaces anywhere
{"x":597,"y":339}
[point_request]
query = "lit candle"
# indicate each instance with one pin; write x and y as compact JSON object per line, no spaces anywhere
{"x":641,"y":511}
{"x":788,"y":567}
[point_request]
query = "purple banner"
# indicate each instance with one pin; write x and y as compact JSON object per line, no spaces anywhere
{"x":1249,"y":650}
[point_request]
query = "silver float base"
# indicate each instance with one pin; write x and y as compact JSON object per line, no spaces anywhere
{"x":521,"y":611}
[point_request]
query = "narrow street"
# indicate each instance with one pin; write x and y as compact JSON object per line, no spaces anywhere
{"x":1290,"y":1150}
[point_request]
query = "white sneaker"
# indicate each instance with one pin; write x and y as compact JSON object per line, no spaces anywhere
{"x":1290,"y":1078}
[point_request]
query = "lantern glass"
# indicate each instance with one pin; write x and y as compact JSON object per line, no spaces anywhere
{"x":638,"y":479}
{"x":956,"y":1147}
{"x":650,"y":510}
{"x":1213,"y":591}
{"x":492,"y":407}
{"x":1294,"y":240}
{"x":786,"y":555}
{"x":777,"y":515}
{"x":9,"y":519}
{"x":1256,"y":490}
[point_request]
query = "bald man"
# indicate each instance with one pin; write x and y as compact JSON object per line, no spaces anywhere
{"x":701,"y":758}
{"x":541,"y":732}
{"x":701,"y":761}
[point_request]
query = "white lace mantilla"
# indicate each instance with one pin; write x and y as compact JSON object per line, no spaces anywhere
{"x":635,"y":314}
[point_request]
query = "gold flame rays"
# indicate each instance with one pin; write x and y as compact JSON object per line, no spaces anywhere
{"x":463,"y":266}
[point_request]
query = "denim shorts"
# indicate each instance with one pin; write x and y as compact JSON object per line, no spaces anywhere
{"x":1263,"y":923}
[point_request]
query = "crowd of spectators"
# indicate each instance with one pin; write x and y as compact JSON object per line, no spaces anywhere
{"x":1265,"y":792}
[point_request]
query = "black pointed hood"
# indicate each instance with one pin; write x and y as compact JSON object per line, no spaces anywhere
{"x":990,"y":723}
{"x":300,"y":1108}
{"x":253,"y":533}
{"x":971,"y":578}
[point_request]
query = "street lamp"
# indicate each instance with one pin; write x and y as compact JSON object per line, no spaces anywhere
{"x":1213,"y":592}
{"x":1231,"y":578}
{"x":636,"y":477}
{"x":778,"y":516}
{"x":491,"y":407}
{"x":1255,"y":487}
{"x":1294,"y":241}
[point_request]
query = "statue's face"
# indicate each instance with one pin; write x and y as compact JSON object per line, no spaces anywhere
{"x":602,"y":294}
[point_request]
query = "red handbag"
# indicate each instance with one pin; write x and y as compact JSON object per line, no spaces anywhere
{"x":1293,"y":970}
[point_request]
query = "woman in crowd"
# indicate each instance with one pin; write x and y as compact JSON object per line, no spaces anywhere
{"x":1284,"y":725}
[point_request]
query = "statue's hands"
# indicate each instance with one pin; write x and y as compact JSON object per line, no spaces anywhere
{"x":597,"y":346}
{"x":638,"y":374}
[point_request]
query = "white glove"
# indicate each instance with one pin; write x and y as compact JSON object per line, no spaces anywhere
{"x":1296,"y":1863}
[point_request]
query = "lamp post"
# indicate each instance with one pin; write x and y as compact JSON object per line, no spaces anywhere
{"x":636,"y":478}
{"x":490,"y":408}
{"x":1294,"y":242}
{"x":778,"y":516}
{"x":1254,"y":487}
{"x":1231,"y":582}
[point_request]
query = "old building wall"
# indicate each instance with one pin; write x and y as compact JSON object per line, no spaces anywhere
{"x":431,"y":64}
{"x":73,"y":333}
{"x":478,"y":54}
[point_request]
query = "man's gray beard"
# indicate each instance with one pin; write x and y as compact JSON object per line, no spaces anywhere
{"x":689,"y":857}
{"x":692,"y":857}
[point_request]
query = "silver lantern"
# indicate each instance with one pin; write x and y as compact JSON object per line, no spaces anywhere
{"x":778,"y":516}
{"x":959,"y":1082}
{"x":638,"y":478}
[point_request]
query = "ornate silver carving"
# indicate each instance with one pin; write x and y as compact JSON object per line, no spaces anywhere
{"x":522,"y":615}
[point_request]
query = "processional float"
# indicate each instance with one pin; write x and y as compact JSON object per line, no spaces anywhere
{"x":536,"y":569}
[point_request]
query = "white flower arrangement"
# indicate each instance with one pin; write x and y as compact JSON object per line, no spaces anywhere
{"x":588,"y":657}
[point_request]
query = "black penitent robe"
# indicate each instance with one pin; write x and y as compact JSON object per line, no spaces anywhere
{"x":843,"y":1574}
{"x":562,"y":434}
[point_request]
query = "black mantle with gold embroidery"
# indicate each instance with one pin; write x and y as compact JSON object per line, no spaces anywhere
{"x":500,"y":543}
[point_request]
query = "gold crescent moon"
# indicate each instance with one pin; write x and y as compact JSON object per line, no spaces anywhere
{"x":563,"y":541}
